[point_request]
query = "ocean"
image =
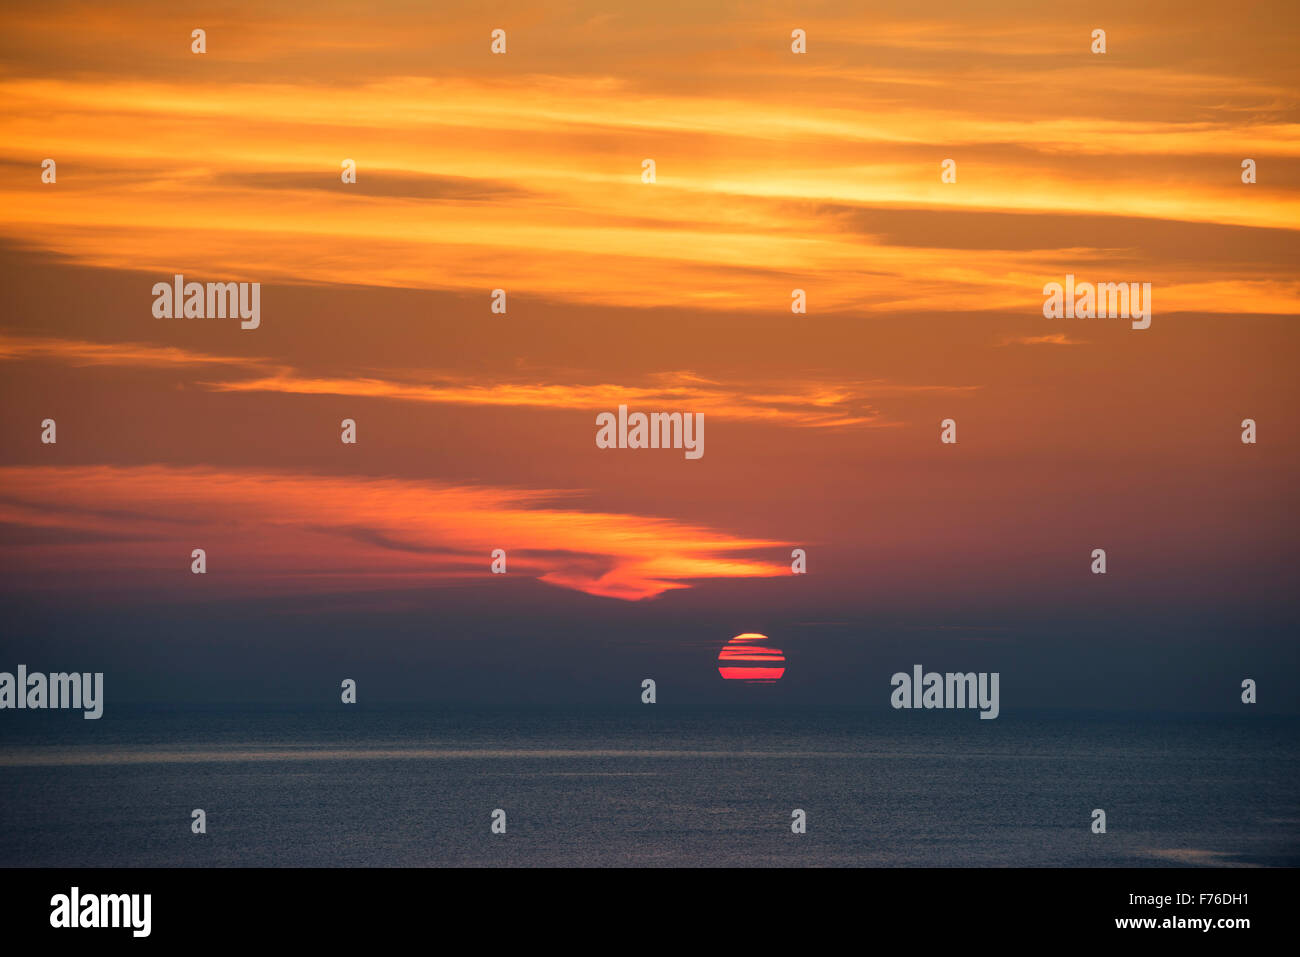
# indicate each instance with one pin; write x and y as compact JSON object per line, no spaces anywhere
{"x":647,"y":787}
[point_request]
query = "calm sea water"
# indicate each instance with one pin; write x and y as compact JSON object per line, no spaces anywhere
{"x":365,"y":788}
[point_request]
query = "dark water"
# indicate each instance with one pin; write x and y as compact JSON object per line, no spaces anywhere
{"x":647,"y":788}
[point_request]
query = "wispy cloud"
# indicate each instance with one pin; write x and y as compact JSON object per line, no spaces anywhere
{"x":1051,"y":339}
{"x":320,"y":533}
{"x":808,"y":404}
{"x":820,"y":407}
{"x":467,"y":162}
{"x":82,"y":352}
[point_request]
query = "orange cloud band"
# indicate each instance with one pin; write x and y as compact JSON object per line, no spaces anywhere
{"x":136,"y":526}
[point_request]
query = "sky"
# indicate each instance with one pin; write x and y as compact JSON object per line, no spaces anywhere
{"x":774,"y":171}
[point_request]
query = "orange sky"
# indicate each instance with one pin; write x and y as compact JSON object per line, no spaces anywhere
{"x":775,"y":171}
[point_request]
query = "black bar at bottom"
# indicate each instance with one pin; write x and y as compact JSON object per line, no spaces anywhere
{"x":336,"y":906}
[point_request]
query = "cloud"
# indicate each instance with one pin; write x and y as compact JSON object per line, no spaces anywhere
{"x":806,"y":404}
{"x":81,"y":352}
{"x":397,"y":184}
{"x":816,"y":406}
{"x":1051,"y":339}
{"x":471,"y":176}
{"x":284,"y":532}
